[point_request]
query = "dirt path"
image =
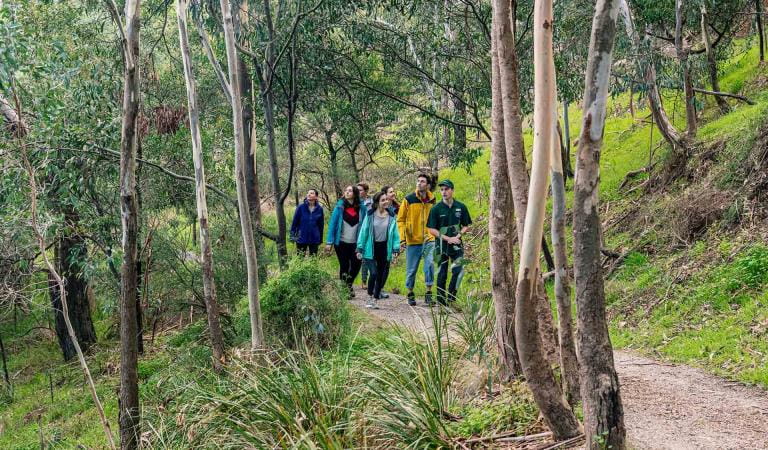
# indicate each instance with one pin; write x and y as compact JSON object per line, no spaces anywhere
{"x":666,"y":406}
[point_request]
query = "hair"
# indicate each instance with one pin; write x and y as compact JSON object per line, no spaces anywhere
{"x":386,"y":188}
{"x":314,"y":190}
{"x":364,"y":185}
{"x":426,"y":177}
{"x":376,"y":199}
{"x":355,"y":196}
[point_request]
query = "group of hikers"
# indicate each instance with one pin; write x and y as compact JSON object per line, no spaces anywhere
{"x":369,"y":232}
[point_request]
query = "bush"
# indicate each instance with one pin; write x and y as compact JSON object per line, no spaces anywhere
{"x":304,"y":304}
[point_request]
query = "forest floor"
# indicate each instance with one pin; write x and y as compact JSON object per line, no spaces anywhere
{"x":666,"y":406}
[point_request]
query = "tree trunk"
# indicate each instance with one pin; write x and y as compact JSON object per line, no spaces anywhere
{"x":6,"y":376}
{"x":209,"y":287}
{"x":569,"y":363}
{"x":603,"y":412}
{"x":760,"y":33}
{"x":682,"y":54}
{"x":501,"y":220}
{"x":565,"y":150}
{"x":459,"y":131}
{"x":648,"y":70}
{"x":268,"y":99}
{"x":249,"y":131}
{"x":14,"y":123}
{"x":516,"y":165}
{"x":71,"y":255}
{"x":129,"y":409}
{"x":711,"y":61}
{"x":334,"y":160}
{"x":546,"y":392}
{"x":251,"y":258}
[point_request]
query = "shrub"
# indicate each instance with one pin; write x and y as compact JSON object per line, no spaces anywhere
{"x":304,"y":304}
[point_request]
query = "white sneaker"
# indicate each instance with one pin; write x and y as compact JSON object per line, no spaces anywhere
{"x":370,"y":303}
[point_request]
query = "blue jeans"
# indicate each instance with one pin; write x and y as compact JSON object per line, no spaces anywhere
{"x":414,"y":254}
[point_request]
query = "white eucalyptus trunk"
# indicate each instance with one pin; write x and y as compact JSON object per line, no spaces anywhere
{"x":206,"y":253}
{"x":546,"y":392}
{"x":251,"y":259}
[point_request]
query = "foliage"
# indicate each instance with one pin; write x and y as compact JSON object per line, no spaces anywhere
{"x":303,"y":305}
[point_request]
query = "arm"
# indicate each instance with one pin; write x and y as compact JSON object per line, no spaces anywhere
{"x":402,"y":215}
{"x":396,"y":241}
{"x":333,"y":226}
{"x":362,"y":236}
{"x":321,"y":222}
{"x":296,"y":222}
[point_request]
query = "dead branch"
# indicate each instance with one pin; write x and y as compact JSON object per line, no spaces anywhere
{"x":724,"y":94}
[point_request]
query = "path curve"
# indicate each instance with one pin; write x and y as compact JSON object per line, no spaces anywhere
{"x":666,"y":406}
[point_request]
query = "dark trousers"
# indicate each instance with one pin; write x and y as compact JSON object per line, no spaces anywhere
{"x":454,"y":263}
{"x":378,"y":269}
{"x":349,"y":265}
{"x":303,"y":248}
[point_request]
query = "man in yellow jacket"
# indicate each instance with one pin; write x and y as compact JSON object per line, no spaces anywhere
{"x":418,"y":242}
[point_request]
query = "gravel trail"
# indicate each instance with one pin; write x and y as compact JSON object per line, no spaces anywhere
{"x":666,"y":406}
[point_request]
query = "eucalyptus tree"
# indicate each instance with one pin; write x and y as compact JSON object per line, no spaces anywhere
{"x":557,"y":414}
{"x":129,"y":413}
{"x":209,"y":287}
{"x":603,"y":411}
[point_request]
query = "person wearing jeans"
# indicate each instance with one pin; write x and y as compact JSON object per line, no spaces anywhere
{"x":448,"y":220}
{"x":342,"y":235}
{"x":418,"y":242}
{"x":377,"y":244}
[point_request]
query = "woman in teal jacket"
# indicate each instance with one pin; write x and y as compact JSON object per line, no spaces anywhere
{"x":377,"y":243}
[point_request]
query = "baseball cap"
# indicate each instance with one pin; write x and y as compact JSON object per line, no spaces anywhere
{"x":446,"y":183}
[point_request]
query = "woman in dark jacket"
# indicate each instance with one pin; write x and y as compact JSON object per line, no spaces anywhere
{"x":308,"y":223}
{"x":342,"y":235}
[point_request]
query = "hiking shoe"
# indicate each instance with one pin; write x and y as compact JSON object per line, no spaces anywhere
{"x":384,"y":295}
{"x":411,"y":299}
{"x":370,"y":303}
{"x":428,"y":298}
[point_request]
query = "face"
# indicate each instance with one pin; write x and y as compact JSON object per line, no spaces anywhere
{"x":312,"y":195}
{"x":421,"y":184}
{"x":446,"y":192}
{"x":384,"y":202}
{"x":362,"y":190}
{"x":349,"y":193}
{"x":391,"y":194}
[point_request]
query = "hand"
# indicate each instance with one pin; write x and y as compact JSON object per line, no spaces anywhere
{"x":327,"y":249}
{"x":359,"y":255}
{"x":402,"y":246}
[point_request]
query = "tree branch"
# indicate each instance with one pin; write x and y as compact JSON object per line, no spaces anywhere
{"x":725,"y":94}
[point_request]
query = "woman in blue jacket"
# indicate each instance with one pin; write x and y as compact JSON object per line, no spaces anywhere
{"x":377,"y":243}
{"x":342,"y":235}
{"x":307,"y":226}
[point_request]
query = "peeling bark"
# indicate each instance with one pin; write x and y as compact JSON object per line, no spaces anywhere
{"x":129,"y":407}
{"x":569,"y":364}
{"x":516,"y":165}
{"x":603,"y":411}
{"x":546,"y":392}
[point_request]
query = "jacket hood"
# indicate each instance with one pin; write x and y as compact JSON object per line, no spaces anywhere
{"x":430,"y":195}
{"x":389,"y":211}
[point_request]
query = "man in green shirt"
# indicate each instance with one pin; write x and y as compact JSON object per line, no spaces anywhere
{"x":448,"y":220}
